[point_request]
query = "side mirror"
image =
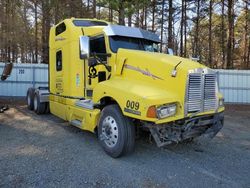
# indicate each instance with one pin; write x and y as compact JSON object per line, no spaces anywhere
{"x":84,"y":47}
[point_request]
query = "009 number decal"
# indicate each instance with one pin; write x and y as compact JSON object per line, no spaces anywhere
{"x":132,"y":105}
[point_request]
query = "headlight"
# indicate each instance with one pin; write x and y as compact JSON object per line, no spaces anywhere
{"x":166,"y":111}
{"x":221,"y":102}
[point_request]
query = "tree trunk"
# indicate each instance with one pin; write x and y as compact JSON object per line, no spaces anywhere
{"x":248,"y":55}
{"x":94,"y":8}
{"x":233,"y":38}
{"x":137,"y":22}
{"x":185,"y":28}
{"x":153,"y":15}
{"x":7,"y":31}
{"x":230,"y":34}
{"x":142,"y":18}
{"x":121,"y":12}
{"x":197,"y":30}
{"x":223,"y":33}
{"x":162,"y":21}
{"x":22,"y":54}
{"x":170,"y":25}
{"x":130,"y":14}
{"x":99,"y":13}
{"x":36,"y":31}
{"x":109,"y":11}
{"x":245,"y":55}
{"x":88,"y":2}
{"x":55,"y":10}
{"x":182,"y":25}
{"x":45,"y":30}
{"x":130,"y":20}
{"x":210,"y":33}
{"x":145,"y":17}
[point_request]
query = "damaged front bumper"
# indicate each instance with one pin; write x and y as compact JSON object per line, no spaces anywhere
{"x":207,"y":126}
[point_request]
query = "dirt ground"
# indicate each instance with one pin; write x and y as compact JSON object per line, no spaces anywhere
{"x":43,"y":151}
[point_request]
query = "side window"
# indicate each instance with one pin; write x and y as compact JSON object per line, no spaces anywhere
{"x":97,"y":45}
{"x":59,"y":60}
{"x":60,"y":28}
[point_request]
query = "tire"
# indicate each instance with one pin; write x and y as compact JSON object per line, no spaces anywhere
{"x":39,"y":107}
{"x":116,"y":133}
{"x":30,"y":98}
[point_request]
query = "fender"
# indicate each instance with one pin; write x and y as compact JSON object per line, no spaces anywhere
{"x":135,"y":97}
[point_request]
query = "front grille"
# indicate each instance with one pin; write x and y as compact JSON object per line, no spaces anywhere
{"x":194,"y":92}
{"x":210,"y":92}
{"x":201,"y":92}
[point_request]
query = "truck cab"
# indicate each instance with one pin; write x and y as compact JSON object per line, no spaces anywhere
{"x":109,"y":79}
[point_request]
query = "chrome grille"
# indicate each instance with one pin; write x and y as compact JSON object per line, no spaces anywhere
{"x":210,"y":92}
{"x":201,"y":92}
{"x":194,"y":96}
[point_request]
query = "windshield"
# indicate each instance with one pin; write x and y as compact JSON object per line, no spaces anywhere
{"x":117,"y":42}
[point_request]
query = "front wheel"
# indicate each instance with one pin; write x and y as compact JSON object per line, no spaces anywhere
{"x":116,"y":132}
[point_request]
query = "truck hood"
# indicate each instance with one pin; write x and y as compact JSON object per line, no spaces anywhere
{"x":158,"y":63}
{"x":155,"y":71}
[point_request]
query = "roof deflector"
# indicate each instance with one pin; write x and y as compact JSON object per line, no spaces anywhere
{"x":119,"y":30}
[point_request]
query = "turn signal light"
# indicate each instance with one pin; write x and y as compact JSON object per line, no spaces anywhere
{"x":151,"y":113}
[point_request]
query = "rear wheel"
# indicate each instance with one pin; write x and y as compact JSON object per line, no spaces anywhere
{"x":39,"y":107}
{"x":116,"y":132}
{"x":30,"y":98}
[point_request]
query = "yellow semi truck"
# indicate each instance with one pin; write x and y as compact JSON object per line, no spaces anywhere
{"x":109,"y":79}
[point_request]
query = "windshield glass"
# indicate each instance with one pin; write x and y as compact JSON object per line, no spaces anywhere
{"x":117,"y":42}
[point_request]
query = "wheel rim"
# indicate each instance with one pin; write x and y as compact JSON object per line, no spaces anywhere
{"x":110,"y":131}
{"x":35,"y":102}
{"x":29,"y":100}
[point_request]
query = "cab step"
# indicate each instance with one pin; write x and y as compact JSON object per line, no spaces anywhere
{"x":76,"y":123}
{"x":86,"y":103}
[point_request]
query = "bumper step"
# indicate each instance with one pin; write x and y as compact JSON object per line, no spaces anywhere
{"x":76,"y":123}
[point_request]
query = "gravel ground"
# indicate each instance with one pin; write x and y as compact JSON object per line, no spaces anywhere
{"x":43,"y":151}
